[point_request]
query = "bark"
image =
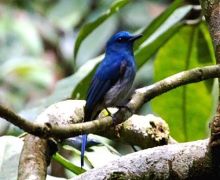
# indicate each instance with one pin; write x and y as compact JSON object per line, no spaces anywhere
{"x":34,"y":159}
{"x":144,"y":131}
{"x":177,"y":161}
{"x":211,"y":11}
{"x":51,"y":129}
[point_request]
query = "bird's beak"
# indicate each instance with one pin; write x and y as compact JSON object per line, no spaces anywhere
{"x":135,"y":37}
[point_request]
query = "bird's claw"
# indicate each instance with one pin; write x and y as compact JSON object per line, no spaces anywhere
{"x":125,"y":107}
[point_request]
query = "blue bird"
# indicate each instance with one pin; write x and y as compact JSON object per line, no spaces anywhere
{"x":113,"y":79}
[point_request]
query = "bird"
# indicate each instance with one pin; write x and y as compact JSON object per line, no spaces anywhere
{"x":112,"y":80}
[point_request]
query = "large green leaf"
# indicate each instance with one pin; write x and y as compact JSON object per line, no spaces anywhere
{"x":26,"y":70}
{"x":158,"y":21}
{"x":187,"y":108}
{"x":66,"y":14}
{"x":64,"y":88}
{"x":18,"y":35}
{"x":90,"y":27}
{"x":203,"y":41}
{"x":88,"y":49}
{"x":151,"y":45}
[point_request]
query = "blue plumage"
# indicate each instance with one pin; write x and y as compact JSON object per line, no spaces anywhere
{"x":83,"y":148}
{"x":112,"y":80}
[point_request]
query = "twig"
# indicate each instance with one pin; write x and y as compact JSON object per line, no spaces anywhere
{"x":140,"y":97}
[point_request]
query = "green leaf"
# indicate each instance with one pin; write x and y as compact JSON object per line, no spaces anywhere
{"x":151,"y":45}
{"x":10,"y":149}
{"x":67,"y":164}
{"x":76,"y":156}
{"x":207,"y":42}
{"x":66,"y":14}
{"x":100,"y":155}
{"x":158,"y":21}
{"x":88,"y":49}
{"x":19,"y":36}
{"x":90,"y":27}
{"x":82,"y":87}
{"x":27,"y":69}
{"x":205,"y":52}
{"x":64,"y":88}
{"x":186,"y":109}
{"x":94,"y":151}
{"x":144,"y":53}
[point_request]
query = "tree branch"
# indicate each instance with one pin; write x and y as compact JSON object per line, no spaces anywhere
{"x":34,"y":158}
{"x":211,"y":11}
{"x":61,"y":116}
{"x":141,"y":96}
{"x":144,"y":131}
{"x":178,"y":161}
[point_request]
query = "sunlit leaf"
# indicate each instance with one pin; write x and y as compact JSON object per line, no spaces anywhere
{"x":186,"y":109}
{"x":65,"y":87}
{"x":18,"y":35}
{"x":68,"y":165}
{"x":100,"y":156}
{"x":158,"y":21}
{"x":206,"y":56}
{"x":90,"y":27}
{"x":144,"y":53}
{"x":88,"y":49}
{"x":150,"y":46}
{"x":66,"y":14}
{"x":29,"y":69}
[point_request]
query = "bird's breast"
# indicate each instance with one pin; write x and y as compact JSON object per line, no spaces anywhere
{"x":118,"y":93}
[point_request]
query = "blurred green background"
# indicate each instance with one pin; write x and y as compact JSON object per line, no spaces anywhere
{"x":49,"y":50}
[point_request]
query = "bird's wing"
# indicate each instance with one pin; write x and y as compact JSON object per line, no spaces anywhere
{"x":103,"y":80}
{"x":106,"y":76}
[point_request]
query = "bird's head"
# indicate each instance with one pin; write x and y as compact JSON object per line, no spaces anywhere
{"x":122,"y":41}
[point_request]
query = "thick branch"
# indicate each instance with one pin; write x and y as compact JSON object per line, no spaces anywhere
{"x":211,"y":11}
{"x":144,"y":131}
{"x":141,"y":96}
{"x":177,"y":161}
{"x":35,"y":154}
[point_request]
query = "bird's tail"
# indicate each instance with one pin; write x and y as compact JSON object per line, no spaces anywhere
{"x":83,"y":148}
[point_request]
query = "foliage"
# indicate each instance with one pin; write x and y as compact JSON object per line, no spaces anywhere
{"x":37,"y":52}
{"x":180,"y":107}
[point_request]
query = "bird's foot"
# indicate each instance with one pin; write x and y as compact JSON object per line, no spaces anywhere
{"x":116,"y":126}
{"x":125,"y":107}
{"x":118,"y":118}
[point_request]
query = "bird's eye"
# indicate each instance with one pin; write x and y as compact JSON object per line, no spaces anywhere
{"x":120,"y":39}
